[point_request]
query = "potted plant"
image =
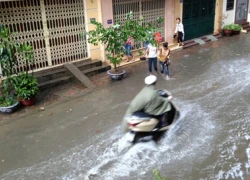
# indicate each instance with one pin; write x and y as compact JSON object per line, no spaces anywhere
{"x":227,"y":30}
{"x":116,"y":35}
{"x":8,"y":60}
{"x":26,"y":85}
{"x":142,"y":57}
{"x":236,"y":29}
{"x":26,"y":89}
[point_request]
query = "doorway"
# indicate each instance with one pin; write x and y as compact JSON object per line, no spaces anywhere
{"x":241,"y":11}
{"x":198,"y":17}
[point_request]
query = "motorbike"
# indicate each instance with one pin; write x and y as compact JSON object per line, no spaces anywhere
{"x":144,"y":127}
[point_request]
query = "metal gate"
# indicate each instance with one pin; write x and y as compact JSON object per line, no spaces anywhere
{"x":198,"y":17}
{"x":149,"y":10}
{"x":52,"y":27}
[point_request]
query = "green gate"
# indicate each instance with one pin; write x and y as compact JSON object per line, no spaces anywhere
{"x":198,"y":17}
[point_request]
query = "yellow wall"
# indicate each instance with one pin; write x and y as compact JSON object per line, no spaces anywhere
{"x":218,"y":16}
{"x":177,"y":9}
{"x":93,"y":10}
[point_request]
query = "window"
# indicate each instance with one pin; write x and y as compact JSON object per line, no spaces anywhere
{"x":230,"y":5}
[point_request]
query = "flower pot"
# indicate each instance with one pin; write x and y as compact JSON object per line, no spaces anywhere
{"x":227,"y":32}
{"x":116,"y":75}
{"x":9,"y":109}
{"x":236,"y":32}
{"x":142,"y":58}
{"x":28,"y":102}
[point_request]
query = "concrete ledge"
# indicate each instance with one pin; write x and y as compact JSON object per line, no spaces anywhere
{"x":80,"y":76}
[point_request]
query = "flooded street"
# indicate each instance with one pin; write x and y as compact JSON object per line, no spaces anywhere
{"x":210,"y":141}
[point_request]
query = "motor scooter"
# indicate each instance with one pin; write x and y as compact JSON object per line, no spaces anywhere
{"x":144,"y":127}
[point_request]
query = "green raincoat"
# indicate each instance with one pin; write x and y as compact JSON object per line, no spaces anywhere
{"x":148,"y":101}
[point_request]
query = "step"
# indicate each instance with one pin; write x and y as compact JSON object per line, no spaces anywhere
{"x":245,"y":23}
{"x":82,"y":61}
{"x":247,"y":29}
{"x":189,"y":41}
{"x":205,"y":39}
{"x":96,"y":70}
{"x":218,"y":36}
{"x":50,"y":74}
{"x":245,"y":26}
{"x":55,"y":82}
{"x":190,"y":45}
{"x":88,"y":65}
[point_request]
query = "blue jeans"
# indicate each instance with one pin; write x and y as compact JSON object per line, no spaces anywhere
{"x":128,"y":49}
{"x":150,"y":62}
{"x":164,"y":67}
{"x":146,"y":45}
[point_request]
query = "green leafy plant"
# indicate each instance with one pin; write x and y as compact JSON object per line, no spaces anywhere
{"x":116,"y":35}
{"x":140,"y":53}
{"x":8,"y":61}
{"x":23,"y":83}
{"x":236,"y":27}
{"x":228,"y":27}
{"x":158,"y":175}
{"x":26,"y":85}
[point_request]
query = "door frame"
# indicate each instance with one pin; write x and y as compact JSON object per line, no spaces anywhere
{"x":240,"y":21}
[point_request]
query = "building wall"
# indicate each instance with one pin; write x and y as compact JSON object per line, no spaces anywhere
{"x":107,"y":12}
{"x":93,"y":10}
{"x":169,"y":20}
{"x":229,"y":15}
{"x":248,"y":19}
{"x":107,"y":15}
{"x":218,"y":16}
{"x":177,"y":10}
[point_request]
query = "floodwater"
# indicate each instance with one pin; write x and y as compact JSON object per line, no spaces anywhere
{"x":210,"y":140}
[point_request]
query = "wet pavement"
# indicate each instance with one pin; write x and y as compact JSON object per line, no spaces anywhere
{"x":81,"y":138}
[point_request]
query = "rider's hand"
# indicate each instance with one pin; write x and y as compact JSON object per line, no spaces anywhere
{"x":170,"y":97}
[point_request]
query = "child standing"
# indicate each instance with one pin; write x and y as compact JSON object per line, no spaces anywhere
{"x":164,"y":58}
{"x":128,"y":46}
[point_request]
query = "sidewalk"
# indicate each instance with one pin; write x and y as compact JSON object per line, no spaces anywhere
{"x":61,"y":94}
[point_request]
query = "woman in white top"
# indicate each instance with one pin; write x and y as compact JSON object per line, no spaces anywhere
{"x":152,"y":57}
{"x":180,"y":30}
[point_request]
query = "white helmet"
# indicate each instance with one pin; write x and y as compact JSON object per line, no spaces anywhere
{"x":150,"y":79}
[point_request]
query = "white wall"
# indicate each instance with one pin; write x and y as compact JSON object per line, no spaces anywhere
{"x":248,"y":19}
{"x":230,"y":15}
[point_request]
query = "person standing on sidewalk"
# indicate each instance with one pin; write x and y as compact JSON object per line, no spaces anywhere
{"x":164,"y":59}
{"x":152,"y":58}
{"x":180,"y":31}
